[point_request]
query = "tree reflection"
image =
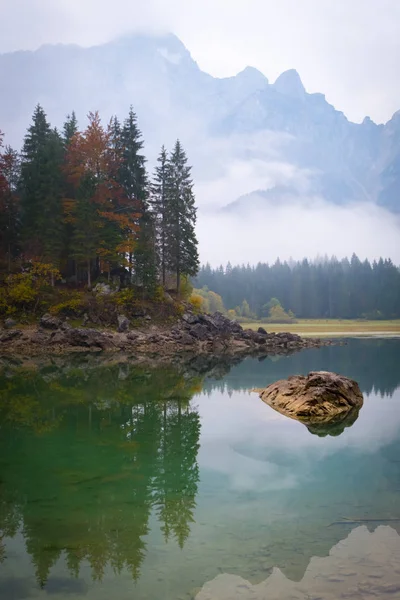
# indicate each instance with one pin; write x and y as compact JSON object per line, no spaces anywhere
{"x":86,"y":456}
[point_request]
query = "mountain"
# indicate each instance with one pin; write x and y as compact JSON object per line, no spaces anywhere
{"x":244,"y":135}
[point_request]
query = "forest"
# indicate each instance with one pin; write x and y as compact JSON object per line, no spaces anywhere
{"x":76,"y":206}
{"x":324,"y":288}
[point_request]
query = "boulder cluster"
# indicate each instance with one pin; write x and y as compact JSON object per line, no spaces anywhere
{"x":197,"y":333}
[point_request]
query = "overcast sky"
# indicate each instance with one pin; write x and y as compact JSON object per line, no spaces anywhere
{"x":347,"y":49}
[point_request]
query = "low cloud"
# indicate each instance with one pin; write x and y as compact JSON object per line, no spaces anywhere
{"x":306,"y":227}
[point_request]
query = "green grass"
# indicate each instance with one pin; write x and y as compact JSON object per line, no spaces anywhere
{"x":329,"y":327}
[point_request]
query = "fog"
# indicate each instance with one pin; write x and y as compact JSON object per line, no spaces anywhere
{"x":296,"y":230}
{"x":351,"y":50}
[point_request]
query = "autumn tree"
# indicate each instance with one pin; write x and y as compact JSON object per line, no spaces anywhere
{"x":99,"y":210}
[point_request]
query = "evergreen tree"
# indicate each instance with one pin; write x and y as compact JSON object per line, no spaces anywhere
{"x":70,"y":128}
{"x":181,"y":243}
{"x":41,"y":188}
{"x":9,"y":205}
{"x":145,"y":267}
{"x":159,"y":204}
{"x":133,"y":178}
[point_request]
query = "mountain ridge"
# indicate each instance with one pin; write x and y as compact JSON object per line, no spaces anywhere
{"x":244,"y":118}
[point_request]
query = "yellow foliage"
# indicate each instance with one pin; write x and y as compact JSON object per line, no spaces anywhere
{"x":197,"y":302}
{"x":186,"y":287}
{"x":70,"y":305}
{"x":125,"y":297}
{"x":159,"y":294}
{"x":21,"y":290}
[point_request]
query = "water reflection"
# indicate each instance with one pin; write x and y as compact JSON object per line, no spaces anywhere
{"x":84,"y":459}
{"x":108,"y":471}
{"x":364,"y":565}
{"x":336,"y":426}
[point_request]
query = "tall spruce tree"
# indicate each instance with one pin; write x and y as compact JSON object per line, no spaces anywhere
{"x":70,"y":128}
{"x":41,"y":188}
{"x":9,"y":206}
{"x":181,"y":244}
{"x":159,"y":205}
{"x":133,"y":178}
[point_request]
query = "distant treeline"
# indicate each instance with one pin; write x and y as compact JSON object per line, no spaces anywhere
{"x":328,"y":288}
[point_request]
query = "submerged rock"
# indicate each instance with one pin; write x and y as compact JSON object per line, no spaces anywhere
{"x":319,"y":397}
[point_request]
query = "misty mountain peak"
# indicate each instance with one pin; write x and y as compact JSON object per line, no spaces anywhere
{"x":252,"y":76}
{"x":290,"y":84}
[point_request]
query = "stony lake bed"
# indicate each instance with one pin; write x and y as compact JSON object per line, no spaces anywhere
{"x":170,"y":479}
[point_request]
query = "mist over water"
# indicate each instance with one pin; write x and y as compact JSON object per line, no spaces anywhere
{"x":308,"y":229}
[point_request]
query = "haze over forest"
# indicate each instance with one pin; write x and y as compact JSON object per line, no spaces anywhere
{"x":278,"y":171}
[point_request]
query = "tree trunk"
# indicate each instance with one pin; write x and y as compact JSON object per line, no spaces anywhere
{"x":178,"y":281}
{"x":52,"y":279}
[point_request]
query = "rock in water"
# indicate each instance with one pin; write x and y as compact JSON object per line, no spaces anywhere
{"x":318,"y":397}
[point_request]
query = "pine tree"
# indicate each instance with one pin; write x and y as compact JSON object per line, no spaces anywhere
{"x":41,"y":188}
{"x":33,"y":179}
{"x":145,"y":266}
{"x":9,"y":205}
{"x":133,"y":178}
{"x":70,"y":128}
{"x":158,"y":202}
{"x":182,"y":254}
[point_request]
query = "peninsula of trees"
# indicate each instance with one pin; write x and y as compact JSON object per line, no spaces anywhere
{"x":79,"y":205}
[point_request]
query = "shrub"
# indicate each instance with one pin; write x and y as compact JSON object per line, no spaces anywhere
{"x":197,"y":303}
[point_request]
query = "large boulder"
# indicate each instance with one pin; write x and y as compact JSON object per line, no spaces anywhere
{"x":316,"y":398}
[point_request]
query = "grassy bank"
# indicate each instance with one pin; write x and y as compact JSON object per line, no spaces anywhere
{"x":332,"y":327}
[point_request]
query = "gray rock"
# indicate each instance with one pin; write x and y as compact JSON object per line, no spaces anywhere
{"x":50,"y":322}
{"x":87,"y":338}
{"x":262,"y":331}
{"x":9,"y":323}
{"x":132,"y":336}
{"x":7,"y":336}
{"x":155,"y":338}
{"x":102,"y":289}
{"x":200,"y":332}
{"x":168,"y":298}
{"x":190,"y":318}
{"x":123,"y":323}
{"x":186,"y":339}
{"x":147,"y":318}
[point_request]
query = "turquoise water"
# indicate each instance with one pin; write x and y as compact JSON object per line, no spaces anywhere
{"x":126,"y":481}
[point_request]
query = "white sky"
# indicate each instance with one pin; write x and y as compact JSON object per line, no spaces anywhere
{"x":347,"y":49}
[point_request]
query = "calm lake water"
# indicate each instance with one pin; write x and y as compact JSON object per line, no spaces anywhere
{"x":125,"y":482}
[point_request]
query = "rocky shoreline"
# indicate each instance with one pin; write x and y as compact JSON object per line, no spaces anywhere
{"x":194,"y":334}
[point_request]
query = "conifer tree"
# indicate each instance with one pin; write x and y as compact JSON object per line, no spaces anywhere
{"x":9,"y":205}
{"x":41,"y":188}
{"x":182,"y":254}
{"x":158,"y":202}
{"x":70,"y":128}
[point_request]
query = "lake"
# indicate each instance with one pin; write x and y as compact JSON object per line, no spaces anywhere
{"x":121,"y":480}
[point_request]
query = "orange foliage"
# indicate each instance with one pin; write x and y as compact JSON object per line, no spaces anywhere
{"x":92,"y":154}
